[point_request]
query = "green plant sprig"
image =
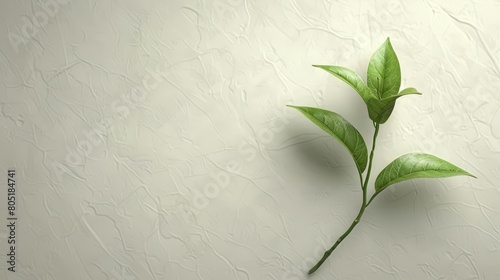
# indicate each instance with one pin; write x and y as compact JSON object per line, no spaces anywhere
{"x":379,"y":94}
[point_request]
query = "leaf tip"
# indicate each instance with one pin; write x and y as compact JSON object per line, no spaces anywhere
{"x":388,"y":43}
{"x":293,"y":106}
{"x":468,"y":174}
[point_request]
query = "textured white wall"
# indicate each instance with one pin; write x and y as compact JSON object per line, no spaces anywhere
{"x":151,"y":139}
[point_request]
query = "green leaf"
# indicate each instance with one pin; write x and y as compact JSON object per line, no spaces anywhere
{"x":416,"y":165}
{"x":338,"y":127}
{"x":350,"y":77}
{"x":409,"y":90}
{"x":380,"y":110}
{"x":384,"y":73}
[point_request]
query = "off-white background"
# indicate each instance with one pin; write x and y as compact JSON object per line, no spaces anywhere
{"x":151,"y":139}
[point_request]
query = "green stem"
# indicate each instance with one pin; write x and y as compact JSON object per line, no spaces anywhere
{"x":361,"y":210}
{"x":329,"y":252}
{"x":373,"y":196}
{"x":377,"y":126}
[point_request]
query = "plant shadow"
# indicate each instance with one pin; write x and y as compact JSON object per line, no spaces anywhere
{"x":405,"y":205}
{"x":321,"y":156}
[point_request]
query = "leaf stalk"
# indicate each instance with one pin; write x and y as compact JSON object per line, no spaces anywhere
{"x":364,"y":186}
